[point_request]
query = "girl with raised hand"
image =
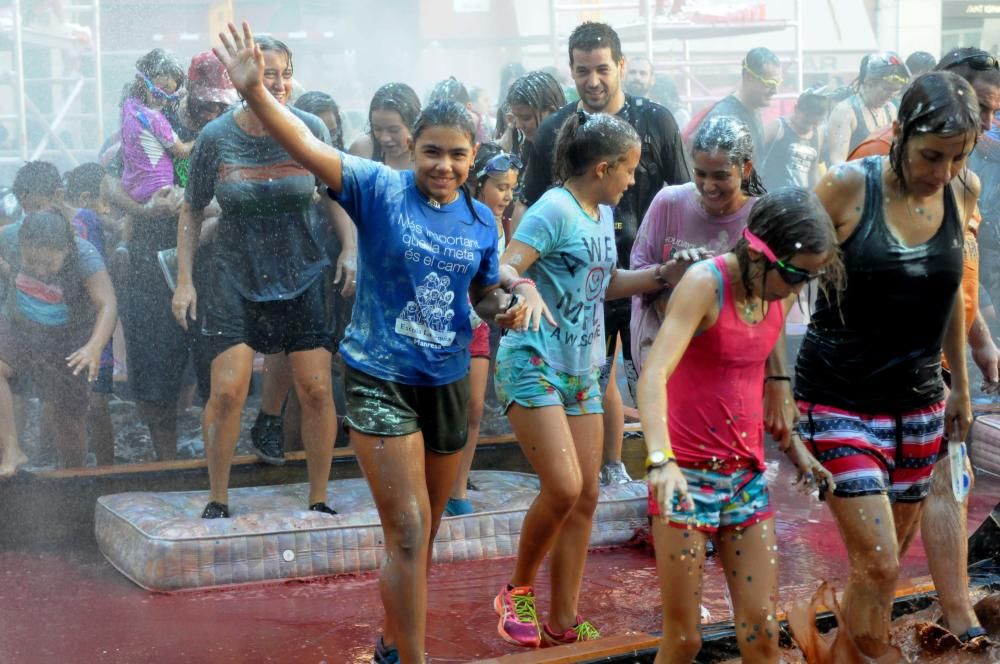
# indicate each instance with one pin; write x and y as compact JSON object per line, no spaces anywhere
{"x":706,"y":450}
{"x":547,"y":378}
{"x":425,"y":249}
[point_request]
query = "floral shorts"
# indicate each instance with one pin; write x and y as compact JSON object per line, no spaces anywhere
{"x":721,"y":500}
{"x":524,"y":378}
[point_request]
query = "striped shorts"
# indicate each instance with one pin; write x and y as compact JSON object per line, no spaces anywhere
{"x":892,"y":455}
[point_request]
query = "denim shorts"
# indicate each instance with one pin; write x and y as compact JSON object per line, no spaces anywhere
{"x":736,"y":499}
{"x":524,"y":378}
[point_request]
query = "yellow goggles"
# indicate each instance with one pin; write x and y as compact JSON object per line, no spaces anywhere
{"x":768,"y":82}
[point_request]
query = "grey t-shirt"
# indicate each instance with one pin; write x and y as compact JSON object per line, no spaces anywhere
{"x":265,"y":243}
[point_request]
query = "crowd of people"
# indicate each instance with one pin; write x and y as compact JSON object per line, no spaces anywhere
{"x":227,"y":218}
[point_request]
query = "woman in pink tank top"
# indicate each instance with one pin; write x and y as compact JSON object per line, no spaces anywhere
{"x":706,"y":451}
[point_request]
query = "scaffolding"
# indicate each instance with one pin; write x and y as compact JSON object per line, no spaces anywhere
{"x":55,"y":79}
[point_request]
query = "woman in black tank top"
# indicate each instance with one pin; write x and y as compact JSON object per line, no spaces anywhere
{"x":881,"y":77}
{"x":868,"y":377}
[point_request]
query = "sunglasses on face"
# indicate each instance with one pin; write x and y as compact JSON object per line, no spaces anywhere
{"x":501,"y":163}
{"x":768,"y":82}
{"x":159,"y":92}
{"x":792,"y":275}
{"x":979,"y":61}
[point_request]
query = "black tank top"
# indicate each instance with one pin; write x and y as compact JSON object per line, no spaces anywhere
{"x":879,"y":351}
{"x":861,"y":131}
{"x":790,"y":159}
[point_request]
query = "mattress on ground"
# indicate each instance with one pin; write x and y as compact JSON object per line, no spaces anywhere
{"x":159,"y":541}
{"x":984,"y":445}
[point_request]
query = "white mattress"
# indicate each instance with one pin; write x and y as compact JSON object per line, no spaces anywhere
{"x":159,"y":540}
{"x":984,"y":444}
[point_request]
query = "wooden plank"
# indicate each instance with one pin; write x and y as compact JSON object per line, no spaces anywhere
{"x":617,"y":645}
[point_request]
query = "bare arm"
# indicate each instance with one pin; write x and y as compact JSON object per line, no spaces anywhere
{"x":245,"y":64}
{"x":958,"y":411}
{"x":362,"y":147}
{"x":347,"y":261}
{"x":182,"y":150}
{"x":185,"y":300}
{"x":626,"y":283}
{"x":518,"y":257}
{"x":162,"y":204}
{"x":102,"y":295}
{"x":842,"y":124}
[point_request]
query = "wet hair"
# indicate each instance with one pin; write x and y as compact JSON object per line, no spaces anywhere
{"x":155,"y":63}
{"x":450,"y":89}
{"x":940,"y":103}
{"x":36,"y":177}
{"x":957,"y":61}
{"x":268,"y":43}
{"x":757,"y":58}
{"x":485,"y":152}
{"x":85,"y":178}
{"x":398,"y":97}
{"x":791,"y":220}
{"x":585,"y":140}
{"x":920,"y":62}
{"x":813,"y":102}
{"x":590,"y":36}
{"x":317,"y":102}
{"x":509,"y":73}
{"x":47,"y":229}
{"x":452,"y":115}
{"x":730,"y":136}
{"x":538,"y":90}
{"x":879,"y":66}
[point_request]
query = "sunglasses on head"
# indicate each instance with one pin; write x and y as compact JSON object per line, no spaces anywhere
{"x":769,"y":82}
{"x":791,"y":275}
{"x":980,"y":61}
{"x":501,"y":163}
{"x":159,"y":92}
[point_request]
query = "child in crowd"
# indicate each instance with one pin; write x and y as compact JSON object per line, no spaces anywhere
{"x":407,"y":346}
{"x":85,"y":196}
{"x":149,"y":142}
{"x":700,"y":219}
{"x":494,"y":179}
{"x":548,"y":378}
{"x":57,"y":313}
{"x":391,"y":115}
{"x":706,"y":451}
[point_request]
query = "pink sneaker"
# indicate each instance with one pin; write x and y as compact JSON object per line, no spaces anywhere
{"x":582,"y":631}
{"x":518,"y":620}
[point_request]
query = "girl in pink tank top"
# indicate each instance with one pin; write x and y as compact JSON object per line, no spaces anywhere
{"x":709,"y":362}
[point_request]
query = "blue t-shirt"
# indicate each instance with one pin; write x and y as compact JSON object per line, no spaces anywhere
{"x":577,"y":255}
{"x":57,"y":301}
{"x":410,"y":322}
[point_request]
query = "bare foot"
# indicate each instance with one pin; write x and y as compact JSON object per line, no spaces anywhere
{"x":10,"y":465}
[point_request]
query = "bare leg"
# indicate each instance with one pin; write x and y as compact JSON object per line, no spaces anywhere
{"x":102,"y":435}
{"x":440,"y":471}
{"x":478,"y":375}
{"x":71,"y":438}
{"x":546,"y":439}
{"x":680,"y":565}
{"x":569,"y":551}
{"x":313,"y":386}
{"x":220,"y":420}
{"x":161,"y":419}
{"x":944,"y":526}
{"x":868,"y":529}
{"x":614,"y":414}
{"x":11,"y":456}
{"x":751,"y":563}
{"x":396,"y":474}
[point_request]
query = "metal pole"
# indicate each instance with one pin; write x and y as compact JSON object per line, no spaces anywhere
{"x":649,"y":33}
{"x":686,"y":52}
{"x":553,"y":20}
{"x":22,"y":111}
{"x":52,"y":129}
{"x":98,"y":73}
{"x":799,"y":46}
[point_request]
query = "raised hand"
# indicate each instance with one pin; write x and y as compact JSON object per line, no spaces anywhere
{"x":241,"y":57}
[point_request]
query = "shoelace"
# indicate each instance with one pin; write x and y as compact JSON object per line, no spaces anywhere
{"x":524,"y":608}
{"x":585,"y":631}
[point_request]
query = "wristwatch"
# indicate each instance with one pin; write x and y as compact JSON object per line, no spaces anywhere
{"x":658,"y":458}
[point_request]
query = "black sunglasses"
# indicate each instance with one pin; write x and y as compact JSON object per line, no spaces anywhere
{"x":792,"y":275}
{"x":979,"y":61}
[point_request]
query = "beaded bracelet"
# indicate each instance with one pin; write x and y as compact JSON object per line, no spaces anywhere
{"x":521,"y":281}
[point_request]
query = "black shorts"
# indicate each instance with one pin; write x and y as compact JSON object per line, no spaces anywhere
{"x":379,"y":407}
{"x":617,"y":321}
{"x":277,"y":326}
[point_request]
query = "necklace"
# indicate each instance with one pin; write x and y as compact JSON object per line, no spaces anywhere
{"x":595,"y":213}
{"x":437,"y":204}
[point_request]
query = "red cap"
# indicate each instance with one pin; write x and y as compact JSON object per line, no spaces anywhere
{"x":208,"y":80}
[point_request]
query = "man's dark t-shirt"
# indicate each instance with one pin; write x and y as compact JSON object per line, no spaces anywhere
{"x":662,"y":162}
{"x":733,"y":107}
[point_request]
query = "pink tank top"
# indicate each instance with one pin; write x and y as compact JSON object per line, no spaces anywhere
{"x":715,"y":394}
